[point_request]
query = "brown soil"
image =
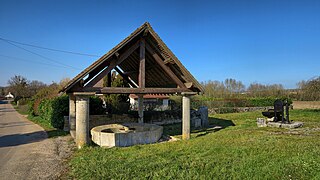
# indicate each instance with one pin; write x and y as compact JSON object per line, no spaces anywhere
{"x":306,"y":104}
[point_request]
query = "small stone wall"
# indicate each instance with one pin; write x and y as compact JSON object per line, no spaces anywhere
{"x":237,"y":109}
{"x":156,"y":117}
{"x":162,"y":117}
{"x":98,"y":120}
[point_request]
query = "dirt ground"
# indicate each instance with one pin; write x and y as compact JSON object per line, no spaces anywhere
{"x":25,"y":150}
{"x":306,"y":104}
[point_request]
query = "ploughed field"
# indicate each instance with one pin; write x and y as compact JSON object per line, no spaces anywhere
{"x":306,"y":104}
{"x":236,"y":151}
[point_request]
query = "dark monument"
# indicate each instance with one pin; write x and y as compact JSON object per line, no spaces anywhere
{"x":278,"y":111}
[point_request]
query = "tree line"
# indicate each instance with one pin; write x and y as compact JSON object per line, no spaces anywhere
{"x":308,"y":90}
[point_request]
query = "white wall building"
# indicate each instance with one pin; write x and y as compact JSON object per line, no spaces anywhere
{"x":9,"y":96}
{"x":150,"y":102}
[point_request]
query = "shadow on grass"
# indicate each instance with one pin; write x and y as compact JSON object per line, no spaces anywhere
{"x":311,"y":110}
{"x":215,"y":124}
{"x":223,"y":123}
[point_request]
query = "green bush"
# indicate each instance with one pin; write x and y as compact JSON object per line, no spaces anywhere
{"x":260,"y":102}
{"x":53,"y":110}
{"x":96,"y":106}
{"x":235,"y":102}
{"x":23,"y":101}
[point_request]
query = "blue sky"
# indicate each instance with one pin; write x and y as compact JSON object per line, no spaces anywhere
{"x":215,"y":40}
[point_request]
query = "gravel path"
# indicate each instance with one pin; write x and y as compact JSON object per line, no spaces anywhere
{"x":25,"y":150}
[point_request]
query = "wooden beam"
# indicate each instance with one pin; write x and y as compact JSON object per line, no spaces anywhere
{"x":164,"y":67}
{"x":168,"y":60}
{"x":152,"y":44}
{"x":145,"y":32}
{"x":122,"y":90}
{"x":188,"y":85}
{"x":109,"y":79}
{"x":113,"y":64}
{"x":135,"y":72}
{"x":100,"y":76}
{"x":142,"y":65}
{"x":125,"y":77}
{"x":95,"y":71}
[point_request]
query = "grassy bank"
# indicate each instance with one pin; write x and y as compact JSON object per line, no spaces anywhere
{"x":51,"y":131}
{"x":238,"y":151}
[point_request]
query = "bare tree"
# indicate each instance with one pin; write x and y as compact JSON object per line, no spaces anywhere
{"x":18,"y":86}
{"x":310,"y":90}
{"x":34,"y":86}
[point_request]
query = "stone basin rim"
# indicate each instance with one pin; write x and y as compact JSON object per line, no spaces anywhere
{"x":139,"y":126}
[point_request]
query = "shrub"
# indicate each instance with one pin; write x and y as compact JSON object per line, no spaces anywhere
{"x":23,"y":101}
{"x":260,"y":102}
{"x":235,"y":102}
{"x":96,"y":106}
{"x":53,"y":110}
{"x":48,"y":92}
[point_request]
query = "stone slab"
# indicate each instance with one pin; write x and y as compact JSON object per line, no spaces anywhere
{"x":284,"y":125}
{"x":261,"y":122}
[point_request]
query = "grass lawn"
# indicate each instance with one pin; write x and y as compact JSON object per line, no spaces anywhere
{"x":240,"y":150}
{"x":51,"y":131}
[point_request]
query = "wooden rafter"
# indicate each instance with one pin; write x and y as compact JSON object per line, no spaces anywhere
{"x":113,"y":64}
{"x":96,"y":71}
{"x":164,"y":67}
{"x":125,"y":77}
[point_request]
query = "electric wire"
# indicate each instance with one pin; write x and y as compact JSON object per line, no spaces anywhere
{"x":36,"y":62}
{"x":50,"y":49}
{"x":49,"y":59}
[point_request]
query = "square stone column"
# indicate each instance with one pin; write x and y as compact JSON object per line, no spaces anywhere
{"x":72,"y":115}
{"x":185,"y":117}
{"x":186,"y":114}
{"x":82,"y":120}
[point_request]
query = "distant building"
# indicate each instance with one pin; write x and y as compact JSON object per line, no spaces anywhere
{"x":9,"y":96}
{"x":150,"y":102}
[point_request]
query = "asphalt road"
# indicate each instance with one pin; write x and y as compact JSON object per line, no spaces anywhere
{"x":25,"y":150}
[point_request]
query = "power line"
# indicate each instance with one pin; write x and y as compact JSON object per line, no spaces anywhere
{"x":49,"y":59}
{"x":50,"y":49}
{"x":36,"y":62}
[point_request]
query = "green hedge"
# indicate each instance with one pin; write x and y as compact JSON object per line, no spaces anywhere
{"x":53,"y":110}
{"x":248,"y":102}
{"x":96,"y":106}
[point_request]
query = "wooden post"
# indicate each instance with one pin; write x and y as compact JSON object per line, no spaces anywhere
{"x":142,"y":65}
{"x":109,"y":79}
{"x":140,"y":108}
{"x":142,"y":79}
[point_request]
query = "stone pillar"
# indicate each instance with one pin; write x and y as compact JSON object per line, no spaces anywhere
{"x":72,"y":115}
{"x":82,"y":120}
{"x":140,"y":108}
{"x":203,"y":111}
{"x":185,"y":117}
